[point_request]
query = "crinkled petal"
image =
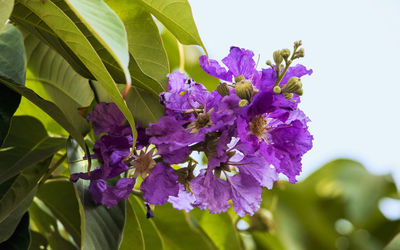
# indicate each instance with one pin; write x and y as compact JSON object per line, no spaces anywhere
{"x":108,"y":195}
{"x":213,"y":68}
{"x":183,"y":201}
{"x":161,"y":183}
{"x":176,"y":82}
{"x":240,"y":62}
{"x":246,"y":194}
{"x":257,"y":167}
{"x":107,"y":118}
{"x":211,"y":192}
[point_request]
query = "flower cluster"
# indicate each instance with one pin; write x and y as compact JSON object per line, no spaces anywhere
{"x":250,"y":129}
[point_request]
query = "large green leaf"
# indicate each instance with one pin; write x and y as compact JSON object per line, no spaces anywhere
{"x":12,"y":66}
{"x":176,"y":15}
{"x":5,"y":12}
{"x":60,"y":198}
{"x":224,"y":235}
{"x":20,"y":238}
{"x":46,"y":223}
{"x":145,"y":106}
{"x":26,"y":107}
{"x":101,"y":228}
{"x":178,"y":231}
{"x":21,"y":187}
{"x":152,"y":237}
{"x":8,"y":226}
{"x":23,"y":148}
{"x":51,"y":77}
{"x":394,"y":244}
{"x":55,"y":18}
{"x":12,"y":75}
{"x":133,"y":233}
{"x":144,"y":41}
{"x":106,"y":27}
{"x":38,"y":241}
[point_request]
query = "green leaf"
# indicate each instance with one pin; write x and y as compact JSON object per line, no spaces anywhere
{"x":12,"y":75}
{"x":178,"y":231}
{"x":59,"y":22}
{"x":8,"y":226}
{"x":60,"y":198}
{"x":23,"y":148}
{"x":133,"y":234}
{"x":145,"y":106}
{"x":38,"y":241}
{"x":51,"y":77}
{"x":12,"y":55}
{"x":5,"y":12}
{"x":394,"y":244}
{"x":12,"y":66}
{"x":152,"y":236}
{"x":101,"y":227}
{"x":26,"y":107}
{"x":176,"y":15}
{"x":43,"y":220}
{"x":20,"y":238}
{"x":21,"y":187}
{"x":224,"y":235}
{"x":106,"y":27}
{"x":145,"y":44}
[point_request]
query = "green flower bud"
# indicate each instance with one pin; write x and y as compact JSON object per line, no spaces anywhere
{"x":277,"y":57}
{"x":277,"y":90}
{"x":298,"y":44}
{"x":223,"y":89}
{"x":244,"y":89}
{"x":294,"y":85}
{"x":299,"y":54}
{"x":269,"y":63}
{"x":285,"y":53}
{"x":239,"y":78}
{"x":243,"y":103}
{"x":288,"y":96}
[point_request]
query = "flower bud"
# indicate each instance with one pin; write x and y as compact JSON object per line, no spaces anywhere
{"x":223,"y":89}
{"x":277,"y":57}
{"x":285,"y":53}
{"x":288,"y":96}
{"x":294,"y":85}
{"x":269,"y":63}
{"x":239,"y":78}
{"x":244,"y":89}
{"x":299,"y":53}
{"x":243,"y":103}
{"x":298,"y":44}
{"x":277,"y":90}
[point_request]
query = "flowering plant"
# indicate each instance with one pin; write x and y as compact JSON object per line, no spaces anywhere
{"x":250,"y":129}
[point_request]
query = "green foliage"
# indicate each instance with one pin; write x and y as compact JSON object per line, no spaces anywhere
{"x":64,"y":56}
{"x":20,"y":238}
{"x":101,"y":228}
{"x":13,"y":69}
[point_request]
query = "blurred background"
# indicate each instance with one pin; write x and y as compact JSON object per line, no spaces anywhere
{"x":352,"y":99}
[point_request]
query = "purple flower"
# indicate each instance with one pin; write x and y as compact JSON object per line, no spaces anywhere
{"x":246,"y":194}
{"x":161,"y":183}
{"x":183,"y":201}
{"x":107,"y":118}
{"x":111,"y":195}
{"x":239,"y":62}
{"x":211,"y":192}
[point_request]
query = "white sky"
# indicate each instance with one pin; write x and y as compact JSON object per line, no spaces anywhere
{"x":353,"y":48}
